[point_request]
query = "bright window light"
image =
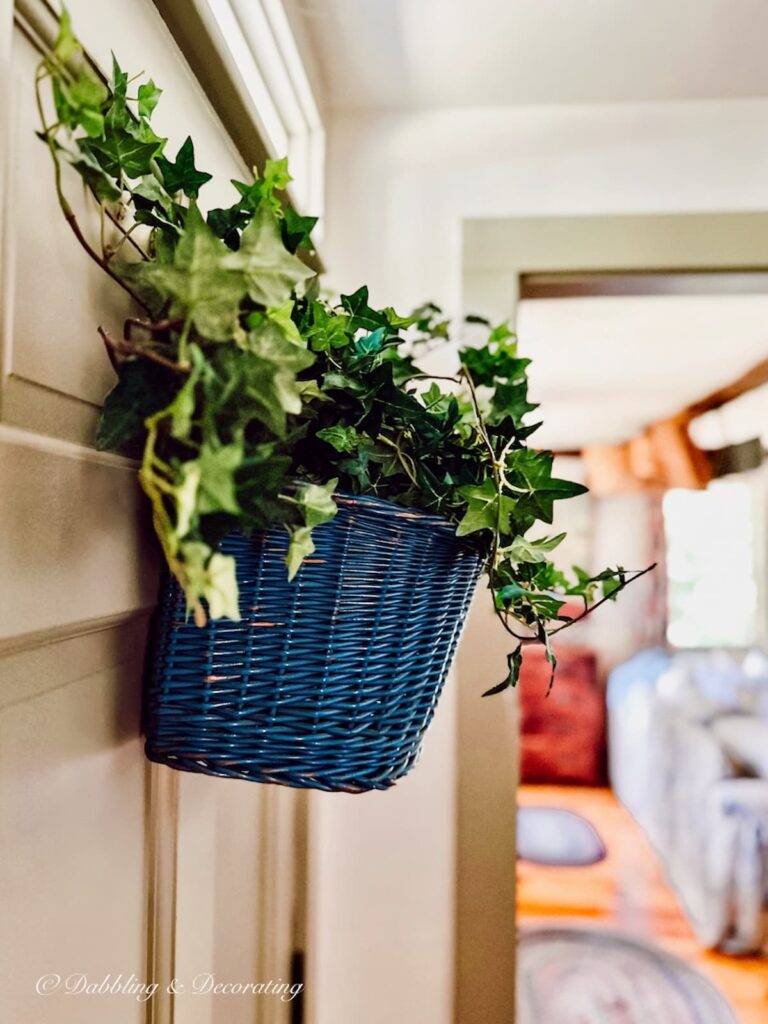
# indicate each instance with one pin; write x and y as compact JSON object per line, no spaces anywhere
{"x":712,"y":593}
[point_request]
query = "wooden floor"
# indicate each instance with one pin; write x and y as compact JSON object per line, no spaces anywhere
{"x":627,"y":891}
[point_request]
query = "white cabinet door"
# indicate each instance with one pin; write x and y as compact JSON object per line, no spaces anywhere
{"x":114,"y":874}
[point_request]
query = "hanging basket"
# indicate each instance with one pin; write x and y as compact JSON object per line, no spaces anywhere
{"x":329,"y":681}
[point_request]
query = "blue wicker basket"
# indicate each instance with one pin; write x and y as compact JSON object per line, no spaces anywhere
{"x":330,"y":681}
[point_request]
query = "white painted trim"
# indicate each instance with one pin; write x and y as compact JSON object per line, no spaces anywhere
{"x":226,"y":34}
{"x":161,"y":844}
{"x":256,"y":41}
{"x":20,"y":438}
{"x":22,"y":642}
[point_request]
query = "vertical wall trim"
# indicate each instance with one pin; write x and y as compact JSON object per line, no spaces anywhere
{"x":162,"y":809}
{"x":487,"y":756}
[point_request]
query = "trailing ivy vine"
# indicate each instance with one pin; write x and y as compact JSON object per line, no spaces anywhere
{"x":251,"y":398}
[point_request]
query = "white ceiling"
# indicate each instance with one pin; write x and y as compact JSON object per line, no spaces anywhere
{"x":604,"y":368}
{"x":384,"y":54}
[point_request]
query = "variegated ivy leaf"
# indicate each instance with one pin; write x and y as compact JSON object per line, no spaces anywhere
{"x":281,"y":315}
{"x":523,"y":550}
{"x":316,"y":504}
{"x":221,"y":590}
{"x":486,"y":509}
{"x":149,"y":94}
{"x":271,"y":272}
{"x":201,"y":283}
{"x":217,"y":466}
{"x":210,"y":576}
{"x":343,"y":439}
{"x":185,"y":496}
{"x":301,"y":545}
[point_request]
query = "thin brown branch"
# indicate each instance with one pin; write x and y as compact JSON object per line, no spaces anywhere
{"x":127,"y":236}
{"x":608,"y":597}
{"x":150,"y":326}
{"x":66,"y":209}
{"x":109,"y":346}
{"x":465,"y":375}
{"x":126,"y":347}
{"x":504,"y":620}
{"x":72,"y":221}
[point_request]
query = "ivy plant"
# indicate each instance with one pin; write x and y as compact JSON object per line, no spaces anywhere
{"x":251,"y":398}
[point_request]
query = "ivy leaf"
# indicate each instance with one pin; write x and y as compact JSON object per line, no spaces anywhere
{"x":551,"y":658}
{"x":495,"y":362}
{"x":155,"y":207}
{"x":317,"y":506}
{"x":264,"y":377}
{"x":297,"y":230}
{"x":371,"y":343}
{"x":343,"y":439}
{"x":281,"y":316}
{"x":276,"y":175}
{"x":611,"y":586}
{"x":250,"y":194}
{"x":78,"y":100}
{"x":201,"y":283}
{"x":119,"y":88}
{"x":300,"y":545}
{"x":127,"y":147}
{"x":514,"y":664}
{"x":362,"y":317}
{"x":316,"y":502}
{"x":262,"y":190}
{"x":226,"y":224}
{"x":97,"y":180}
{"x":78,"y":93}
{"x":221,"y":589}
{"x":120,"y":152}
{"x":326,"y":330}
{"x":185,"y":497}
{"x":523,"y":550}
{"x":142,"y":389}
{"x":210,"y":575}
{"x":397,"y":321}
{"x":182,"y":175}
{"x":67,"y":44}
{"x":542,"y":603}
{"x":271,"y":271}
{"x":485,"y":509}
{"x":511,"y":401}
{"x":357,"y":468}
{"x":149,"y":94}
{"x":500,"y":333}
{"x":532,"y":471}
{"x":217,"y":477}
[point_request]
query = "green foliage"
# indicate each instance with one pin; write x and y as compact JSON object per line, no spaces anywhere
{"x":254,"y":399}
{"x":181,"y":175}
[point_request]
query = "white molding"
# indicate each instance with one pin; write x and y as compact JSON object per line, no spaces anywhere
{"x":20,"y":438}
{"x":161,"y":851}
{"x":265,"y":65}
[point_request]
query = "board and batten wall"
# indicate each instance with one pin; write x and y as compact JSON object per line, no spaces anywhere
{"x":108,"y":866}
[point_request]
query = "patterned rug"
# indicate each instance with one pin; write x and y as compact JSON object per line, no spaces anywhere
{"x":581,"y":976}
{"x":557,"y":837}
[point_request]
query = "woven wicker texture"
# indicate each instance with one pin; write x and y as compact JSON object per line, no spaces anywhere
{"x":329,"y":681}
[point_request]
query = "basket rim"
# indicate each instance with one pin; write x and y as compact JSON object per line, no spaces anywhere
{"x":407,"y":515}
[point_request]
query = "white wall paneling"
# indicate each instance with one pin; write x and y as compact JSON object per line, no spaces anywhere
{"x":109,"y":866}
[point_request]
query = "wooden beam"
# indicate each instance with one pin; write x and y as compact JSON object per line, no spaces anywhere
{"x":754,"y":378}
